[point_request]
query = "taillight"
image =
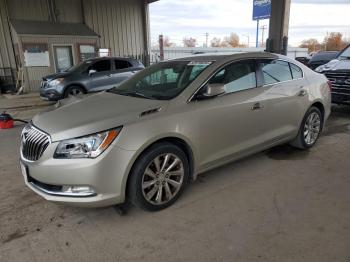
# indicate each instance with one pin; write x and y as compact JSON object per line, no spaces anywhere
{"x":329,"y":85}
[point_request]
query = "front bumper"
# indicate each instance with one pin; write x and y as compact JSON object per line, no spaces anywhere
{"x":106,"y":175}
{"x":51,"y":94}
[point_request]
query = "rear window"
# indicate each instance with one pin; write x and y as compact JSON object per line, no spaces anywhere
{"x":275,"y":71}
{"x":296,"y":71}
{"x":101,"y":66}
{"x":122,"y":64}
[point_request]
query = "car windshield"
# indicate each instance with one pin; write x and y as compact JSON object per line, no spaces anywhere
{"x":162,"y":81}
{"x":345,"y":53}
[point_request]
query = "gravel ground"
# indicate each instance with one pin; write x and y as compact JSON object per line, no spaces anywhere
{"x":279,"y":205}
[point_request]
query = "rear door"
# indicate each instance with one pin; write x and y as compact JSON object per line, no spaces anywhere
{"x":284,"y":99}
{"x":102,"y":78}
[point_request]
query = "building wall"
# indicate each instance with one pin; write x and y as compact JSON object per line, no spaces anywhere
{"x":33,"y":75}
{"x":73,"y":14}
{"x":6,"y":50}
{"x":119,"y":23}
{"x":35,"y":10}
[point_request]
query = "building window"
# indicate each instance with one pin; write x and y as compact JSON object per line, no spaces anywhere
{"x":36,"y":54}
{"x":86,"y":52}
{"x":102,"y":52}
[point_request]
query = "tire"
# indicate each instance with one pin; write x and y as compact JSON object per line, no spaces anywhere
{"x":73,"y":91}
{"x":149,"y":189}
{"x":302,"y":140}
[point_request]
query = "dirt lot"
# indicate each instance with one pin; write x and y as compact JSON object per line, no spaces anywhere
{"x":279,"y":205}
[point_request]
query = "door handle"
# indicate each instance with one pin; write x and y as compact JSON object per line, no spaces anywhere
{"x":302,"y":92}
{"x":257,"y":106}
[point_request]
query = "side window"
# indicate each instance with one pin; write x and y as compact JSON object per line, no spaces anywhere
{"x":121,"y":64}
{"x":196,"y":70}
{"x":101,"y":66}
{"x":296,"y":71}
{"x":236,"y":76}
{"x":275,"y":71}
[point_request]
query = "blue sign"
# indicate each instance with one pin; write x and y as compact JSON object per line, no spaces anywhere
{"x":261,"y":9}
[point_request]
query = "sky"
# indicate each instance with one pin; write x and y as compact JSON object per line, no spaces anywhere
{"x":194,"y":18}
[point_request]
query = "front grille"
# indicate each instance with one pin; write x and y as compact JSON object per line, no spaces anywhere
{"x":44,"y":84}
{"x":33,"y":143}
{"x":340,"y":81}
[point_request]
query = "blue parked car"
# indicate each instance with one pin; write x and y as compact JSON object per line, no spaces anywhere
{"x":92,"y":75}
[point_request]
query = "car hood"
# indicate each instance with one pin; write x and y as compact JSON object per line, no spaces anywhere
{"x":343,"y":64}
{"x":78,"y":117}
{"x":56,"y":75}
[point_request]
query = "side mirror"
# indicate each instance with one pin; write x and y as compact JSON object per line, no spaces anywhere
{"x":210,"y":91}
{"x":91,"y":72}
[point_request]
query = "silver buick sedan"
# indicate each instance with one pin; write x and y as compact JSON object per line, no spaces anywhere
{"x":146,"y":139}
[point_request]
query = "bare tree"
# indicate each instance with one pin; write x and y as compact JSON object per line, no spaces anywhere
{"x":215,"y":42}
{"x":334,"y":41}
{"x":311,"y":44}
{"x":230,"y":41}
{"x":233,"y":40}
{"x":167,"y":42}
{"x":189,"y":42}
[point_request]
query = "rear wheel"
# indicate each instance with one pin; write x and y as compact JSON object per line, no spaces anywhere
{"x":74,"y":91}
{"x":158,"y":177}
{"x":310,"y":129}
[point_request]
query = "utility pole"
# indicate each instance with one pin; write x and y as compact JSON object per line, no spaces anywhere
{"x":257,"y":34}
{"x":248,"y":40}
{"x":327,"y":37}
{"x":161,"y":47}
{"x":206,"y":39}
{"x":263,"y":28}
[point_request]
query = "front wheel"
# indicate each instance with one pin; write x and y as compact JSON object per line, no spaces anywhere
{"x":74,"y":91}
{"x":310,"y":129}
{"x":158,"y":177}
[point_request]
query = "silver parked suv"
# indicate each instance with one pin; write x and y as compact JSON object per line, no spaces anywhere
{"x":145,"y":140}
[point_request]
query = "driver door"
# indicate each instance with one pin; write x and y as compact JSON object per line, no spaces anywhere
{"x":102,"y":78}
{"x":230,"y":124}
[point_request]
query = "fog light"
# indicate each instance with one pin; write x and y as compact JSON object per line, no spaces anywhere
{"x":78,"y":190}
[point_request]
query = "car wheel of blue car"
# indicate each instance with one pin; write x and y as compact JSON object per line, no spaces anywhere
{"x":74,"y":91}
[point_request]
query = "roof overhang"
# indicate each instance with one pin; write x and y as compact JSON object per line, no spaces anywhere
{"x":43,"y":28}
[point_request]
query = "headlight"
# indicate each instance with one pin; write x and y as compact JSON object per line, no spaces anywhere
{"x":56,"y":82}
{"x":319,"y":69}
{"x":86,"y":147}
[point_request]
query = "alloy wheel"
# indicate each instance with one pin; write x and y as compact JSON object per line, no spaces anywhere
{"x":162,"y":179}
{"x":312,"y":128}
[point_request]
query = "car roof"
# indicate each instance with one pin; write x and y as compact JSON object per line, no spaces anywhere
{"x":223,"y":56}
{"x":110,"y":57}
{"x":324,"y":55}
